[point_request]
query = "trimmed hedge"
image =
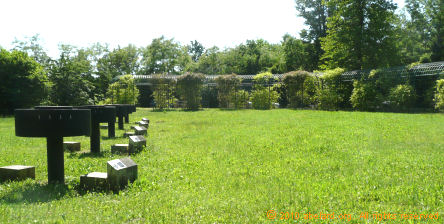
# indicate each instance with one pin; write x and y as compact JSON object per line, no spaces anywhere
{"x":227,"y":85}
{"x":333,"y":93}
{"x":163,"y":93}
{"x":263,"y":95}
{"x":189,"y":88}
{"x":124,"y":91}
{"x":402,"y":97}
{"x":295,"y":83}
{"x":439,"y":95}
{"x":365,"y":97}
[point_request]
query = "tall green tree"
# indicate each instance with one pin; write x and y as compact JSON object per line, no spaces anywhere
{"x":210,"y":62}
{"x":294,"y":53}
{"x":421,"y":27}
{"x":32,"y":46}
{"x":435,"y":9}
{"x":360,"y":34}
{"x":23,"y":81}
{"x":118,"y":62}
{"x":71,"y":77}
{"x":164,"y":56}
{"x":195,"y":49}
{"x":315,"y":13}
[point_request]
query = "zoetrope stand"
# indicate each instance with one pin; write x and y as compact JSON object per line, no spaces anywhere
{"x":54,"y":123}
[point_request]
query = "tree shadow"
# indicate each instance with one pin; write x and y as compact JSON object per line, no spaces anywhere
{"x":35,"y":193}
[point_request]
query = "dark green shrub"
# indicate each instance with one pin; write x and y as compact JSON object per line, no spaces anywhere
{"x":439,"y":95}
{"x":227,"y":85}
{"x":383,"y":82}
{"x":264,"y":95}
{"x":332,"y":93}
{"x":365,"y":97}
{"x":23,"y":82}
{"x":163,"y":93}
{"x":372,"y":90}
{"x":209,"y":97}
{"x":240,"y":99}
{"x":189,"y":88}
{"x":294,"y":82}
{"x":402,"y":97}
{"x":281,"y":90}
{"x":310,"y":87}
{"x":263,"y":99}
{"x":145,"y":96}
{"x":123,"y":91}
{"x":328,"y":99}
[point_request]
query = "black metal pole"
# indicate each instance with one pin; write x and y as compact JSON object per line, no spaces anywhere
{"x":56,"y":164}
{"x":95,"y":137}
{"x":127,"y":118}
{"x":120,"y":118}
{"x":112,"y":129}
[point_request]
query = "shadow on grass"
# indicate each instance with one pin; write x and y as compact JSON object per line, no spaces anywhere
{"x":91,"y":155}
{"x":35,"y":193}
{"x":164,"y":110}
{"x":108,"y":138}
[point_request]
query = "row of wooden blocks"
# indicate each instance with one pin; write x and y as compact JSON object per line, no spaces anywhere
{"x":119,"y":173}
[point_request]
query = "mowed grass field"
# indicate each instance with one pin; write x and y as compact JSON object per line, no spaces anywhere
{"x":216,"y":166}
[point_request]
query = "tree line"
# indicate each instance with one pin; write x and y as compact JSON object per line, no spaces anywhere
{"x":348,"y":34}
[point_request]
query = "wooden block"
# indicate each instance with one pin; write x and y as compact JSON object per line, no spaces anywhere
{"x":71,"y":146}
{"x":17,"y":172}
{"x":143,"y":123}
{"x":94,"y":181}
{"x":127,"y":134}
{"x":120,"y":172}
{"x":136,"y":143}
{"x":119,"y":148}
{"x":140,"y":130}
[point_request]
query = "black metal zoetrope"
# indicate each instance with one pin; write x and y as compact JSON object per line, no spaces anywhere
{"x":122,"y":111}
{"x":130,"y":109}
{"x":99,"y":114}
{"x":54,"y":123}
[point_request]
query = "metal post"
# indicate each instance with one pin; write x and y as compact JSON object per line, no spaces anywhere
{"x":56,"y":164}
{"x":112,"y":129}
{"x":120,"y":120}
{"x":95,"y":137}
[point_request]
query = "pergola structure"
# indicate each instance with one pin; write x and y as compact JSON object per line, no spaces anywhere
{"x":246,"y":80}
{"x":420,"y":70}
{"x":403,"y":72}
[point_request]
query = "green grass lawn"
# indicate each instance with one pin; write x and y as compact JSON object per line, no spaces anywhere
{"x":217,"y":166}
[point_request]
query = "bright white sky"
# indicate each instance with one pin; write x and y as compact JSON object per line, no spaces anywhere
{"x":222,"y":23}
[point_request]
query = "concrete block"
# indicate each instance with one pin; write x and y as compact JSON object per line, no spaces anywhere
{"x":120,"y":172}
{"x":140,"y":130}
{"x":71,"y":146}
{"x":127,"y":134}
{"x":17,"y":172}
{"x":119,"y":148}
{"x":94,"y":181}
{"x":136,"y":143}
{"x":143,"y":123}
{"x":146,"y":120}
